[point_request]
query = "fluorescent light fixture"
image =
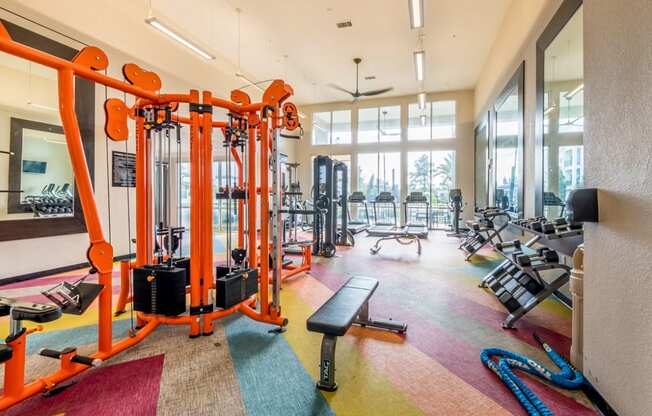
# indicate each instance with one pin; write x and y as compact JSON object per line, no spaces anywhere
{"x":419,"y":63}
{"x":422,"y":100}
{"x":422,"y":119}
{"x":570,"y":95}
{"x":248,"y":81}
{"x":155,"y":23}
{"x":42,"y":106}
{"x":416,"y":13}
{"x":549,"y":110}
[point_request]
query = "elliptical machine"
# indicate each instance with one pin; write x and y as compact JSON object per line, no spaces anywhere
{"x":456,"y":205}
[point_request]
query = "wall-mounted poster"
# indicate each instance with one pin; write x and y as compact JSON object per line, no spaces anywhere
{"x":124,"y":170}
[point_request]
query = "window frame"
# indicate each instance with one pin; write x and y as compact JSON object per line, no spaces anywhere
{"x":330,"y":128}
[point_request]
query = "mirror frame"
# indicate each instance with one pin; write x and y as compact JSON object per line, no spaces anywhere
{"x":558,"y":22}
{"x":484,"y":123}
{"x":14,"y":205}
{"x":85,"y":110}
{"x":516,"y":81}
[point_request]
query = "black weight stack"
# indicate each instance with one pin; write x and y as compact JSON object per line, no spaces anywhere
{"x":235,"y":286}
{"x":160,"y":289}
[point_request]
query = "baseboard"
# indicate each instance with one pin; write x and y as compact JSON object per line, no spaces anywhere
{"x":64,"y":269}
{"x":598,"y":401}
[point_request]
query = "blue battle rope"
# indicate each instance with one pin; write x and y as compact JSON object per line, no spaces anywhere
{"x":568,"y":377}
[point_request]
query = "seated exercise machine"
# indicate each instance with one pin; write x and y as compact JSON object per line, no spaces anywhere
{"x":390,"y":230}
{"x":484,"y":230}
{"x":456,"y":206}
{"x":357,"y":201}
{"x":348,"y":306}
{"x":330,"y":197}
{"x":416,"y":211}
{"x":160,"y":292}
{"x":518,"y":282}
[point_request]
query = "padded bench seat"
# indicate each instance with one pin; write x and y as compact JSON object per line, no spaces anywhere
{"x":348,"y":306}
{"x":336,"y":316}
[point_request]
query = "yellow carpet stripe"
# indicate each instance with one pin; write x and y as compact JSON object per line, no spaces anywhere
{"x":363,"y":390}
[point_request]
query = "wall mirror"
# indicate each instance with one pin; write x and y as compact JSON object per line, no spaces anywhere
{"x":508,"y":146}
{"x":482,"y":163}
{"x":560,"y":109}
{"x":37,"y":187}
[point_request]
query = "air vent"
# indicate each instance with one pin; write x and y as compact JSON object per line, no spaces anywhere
{"x":370,"y":77}
{"x":342,"y":25}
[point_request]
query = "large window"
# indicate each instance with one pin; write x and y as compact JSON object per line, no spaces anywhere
{"x":418,"y":122}
{"x":562,"y":147}
{"x":379,"y":172}
{"x":433,"y":174}
{"x":381,"y":124}
{"x":443,"y":119}
{"x":436,"y":121}
{"x":331,"y":127}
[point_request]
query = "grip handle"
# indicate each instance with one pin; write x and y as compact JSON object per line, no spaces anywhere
{"x":89,"y":361}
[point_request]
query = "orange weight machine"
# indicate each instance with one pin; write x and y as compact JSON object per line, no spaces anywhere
{"x":255,"y":150}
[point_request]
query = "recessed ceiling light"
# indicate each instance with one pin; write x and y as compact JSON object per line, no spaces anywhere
{"x":345,"y":24}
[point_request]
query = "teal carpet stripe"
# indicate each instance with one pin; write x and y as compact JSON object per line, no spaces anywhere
{"x":72,"y":337}
{"x":272,"y":379}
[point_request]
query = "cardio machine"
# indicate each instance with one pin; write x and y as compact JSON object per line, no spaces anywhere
{"x":456,"y":204}
{"x":359,"y":224}
{"x":384,"y":204}
{"x":416,"y":211}
{"x":390,"y":230}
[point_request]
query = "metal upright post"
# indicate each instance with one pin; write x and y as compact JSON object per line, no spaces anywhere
{"x":277,"y":258}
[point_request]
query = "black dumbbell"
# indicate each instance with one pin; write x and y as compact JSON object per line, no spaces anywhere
{"x":545,"y":255}
{"x":507,"y":244}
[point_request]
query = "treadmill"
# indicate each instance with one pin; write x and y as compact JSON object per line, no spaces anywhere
{"x":384,"y":202}
{"x":416,"y":209}
{"x":358,"y":224}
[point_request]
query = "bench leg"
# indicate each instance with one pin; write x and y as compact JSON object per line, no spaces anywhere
{"x":364,"y":320}
{"x":327,"y":364}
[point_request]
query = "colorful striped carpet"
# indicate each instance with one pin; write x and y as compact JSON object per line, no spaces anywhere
{"x":243,"y":369}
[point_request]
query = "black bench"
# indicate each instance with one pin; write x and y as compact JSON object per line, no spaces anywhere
{"x":348,"y":306}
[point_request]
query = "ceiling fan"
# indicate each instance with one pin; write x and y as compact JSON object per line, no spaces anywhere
{"x":357,"y":94}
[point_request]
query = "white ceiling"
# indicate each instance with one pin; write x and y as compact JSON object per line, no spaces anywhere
{"x":298,"y":40}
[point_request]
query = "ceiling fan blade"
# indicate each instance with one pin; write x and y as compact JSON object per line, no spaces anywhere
{"x":337,"y":87}
{"x":376,"y":92}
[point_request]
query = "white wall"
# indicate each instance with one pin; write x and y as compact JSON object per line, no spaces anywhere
{"x":462,"y":144}
{"x":618,"y":266}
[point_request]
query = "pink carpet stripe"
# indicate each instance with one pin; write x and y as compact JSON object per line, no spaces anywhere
{"x":134,"y":390}
{"x":524,"y":330}
{"x":459,"y":357}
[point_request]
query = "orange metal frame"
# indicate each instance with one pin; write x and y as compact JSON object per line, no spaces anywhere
{"x":263,"y":117}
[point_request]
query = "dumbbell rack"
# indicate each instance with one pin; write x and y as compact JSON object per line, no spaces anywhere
{"x":484,"y":223}
{"x":509,"y":277}
{"x":520,"y":289}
